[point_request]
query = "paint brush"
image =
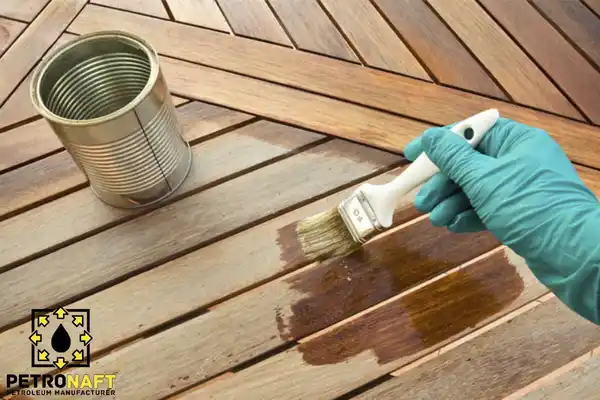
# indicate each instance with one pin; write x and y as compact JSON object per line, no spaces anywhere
{"x":370,"y":209}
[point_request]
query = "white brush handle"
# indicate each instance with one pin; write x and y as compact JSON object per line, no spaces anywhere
{"x":385,"y":198}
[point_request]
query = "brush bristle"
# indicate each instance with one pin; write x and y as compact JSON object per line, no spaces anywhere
{"x":325,"y":235}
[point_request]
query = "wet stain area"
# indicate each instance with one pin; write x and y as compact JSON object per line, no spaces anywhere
{"x":424,"y":318}
{"x":290,"y":247}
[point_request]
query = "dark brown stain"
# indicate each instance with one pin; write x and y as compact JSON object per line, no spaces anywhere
{"x":339,"y":288}
{"x":423,"y":318}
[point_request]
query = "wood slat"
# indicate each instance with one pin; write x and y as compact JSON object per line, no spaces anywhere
{"x":253,"y":19}
{"x":215,"y":270}
{"x":569,"y":69}
{"x":499,"y":361}
{"x":437,"y":46}
{"x":24,"y":10}
{"x":373,"y":38}
{"x":433,"y":103}
{"x":187,"y":223}
{"x":33,"y":183}
{"x":148,"y":7}
{"x":513,"y":69}
{"x":579,"y":383}
{"x":39,"y":36}
{"x":18,"y":107}
{"x":9,"y":30}
{"x":384,"y":338}
{"x":311,"y":29}
{"x":594,"y":5}
{"x":577,"y":22}
{"x":311,"y":300}
{"x":204,"y":13}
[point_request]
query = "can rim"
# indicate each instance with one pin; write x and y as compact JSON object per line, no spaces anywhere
{"x":41,"y":69}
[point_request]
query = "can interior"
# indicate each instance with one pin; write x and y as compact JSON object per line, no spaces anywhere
{"x":95,"y":78}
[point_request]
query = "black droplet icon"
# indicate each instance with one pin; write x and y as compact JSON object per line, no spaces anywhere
{"x":61,"y":341}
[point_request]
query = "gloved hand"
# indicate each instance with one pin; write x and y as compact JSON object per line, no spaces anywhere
{"x":519,"y":185}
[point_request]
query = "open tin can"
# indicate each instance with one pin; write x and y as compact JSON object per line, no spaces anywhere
{"x":106,"y":99}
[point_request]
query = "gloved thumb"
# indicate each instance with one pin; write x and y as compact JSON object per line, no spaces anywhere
{"x":453,"y":155}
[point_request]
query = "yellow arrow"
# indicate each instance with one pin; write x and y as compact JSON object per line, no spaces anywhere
{"x":43,"y":355}
{"x":60,"y":313}
{"x":78,"y":355}
{"x":42,"y":320}
{"x":35,"y":338}
{"x":85,"y":338}
{"x":60,"y":363}
{"x":78,"y":320}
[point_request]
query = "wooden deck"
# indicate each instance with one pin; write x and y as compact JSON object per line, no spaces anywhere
{"x":289,"y":105}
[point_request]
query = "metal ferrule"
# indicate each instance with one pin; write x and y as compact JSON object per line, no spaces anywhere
{"x":359,"y":217}
{"x":106,"y":99}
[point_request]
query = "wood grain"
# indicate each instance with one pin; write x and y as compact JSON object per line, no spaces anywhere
{"x":149,"y":7}
{"x":577,"y":22}
{"x":311,"y":29}
{"x":253,"y":19}
{"x":33,"y":183}
{"x":593,"y":5}
{"x":18,"y":107}
{"x":502,"y":57}
{"x":206,"y":215}
{"x":39,"y":36}
{"x":569,"y":69}
{"x":215,"y":271}
{"x":437,"y":46}
{"x":373,"y":38}
{"x":500,"y":361}
{"x":386,"y":337}
{"x":204,"y":13}
{"x":9,"y":30}
{"x":422,"y":100}
{"x":27,"y":142}
{"x":579,"y":383}
{"x":24,"y":10}
{"x":213,"y":161}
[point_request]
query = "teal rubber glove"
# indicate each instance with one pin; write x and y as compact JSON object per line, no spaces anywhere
{"x":519,"y":185}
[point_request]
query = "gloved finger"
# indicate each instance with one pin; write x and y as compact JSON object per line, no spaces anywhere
{"x":413,"y":149}
{"x":465,"y":222}
{"x":445,"y":212}
{"x":434,"y":191}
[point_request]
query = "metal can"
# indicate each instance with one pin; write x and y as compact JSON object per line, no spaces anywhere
{"x":106,"y":99}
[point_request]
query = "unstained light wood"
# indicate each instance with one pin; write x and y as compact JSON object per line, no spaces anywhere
{"x":24,"y":10}
{"x":570,"y":70}
{"x":204,"y":13}
{"x":501,"y":360}
{"x":253,"y":19}
{"x":422,"y":100}
{"x":311,"y":29}
{"x":513,"y":69}
{"x":373,"y":38}
{"x":9,"y":30}
{"x":149,"y":7}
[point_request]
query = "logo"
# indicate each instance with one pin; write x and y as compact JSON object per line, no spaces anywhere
{"x":60,"y":337}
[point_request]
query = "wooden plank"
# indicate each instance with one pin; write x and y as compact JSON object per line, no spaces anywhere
{"x":385,"y":337}
{"x":47,"y":178}
{"x":594,"y":5}
{"x":18,"y":107}
{"x":495,"y":48}
{"x":188,"y":223}
{"x":436,"y":104}
{"x":9,"y":30}
{"x":148,"y":7}
{"x":437,"y":46}
{"x":204,"y":13}
{"x":311,"y":29}
{"x":313,"y":298}
{"x":212,"y":162}
{"x":577,"y":22}
{"x":579,"y":383}
{"x":25,"y":52}
{"x":253,"y":19}
{"x":373,"y":38}
{"x":217,"y":271}
{"x":569,"y":69}
{"x":24,"y":10}
{"x":499,"y":361}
